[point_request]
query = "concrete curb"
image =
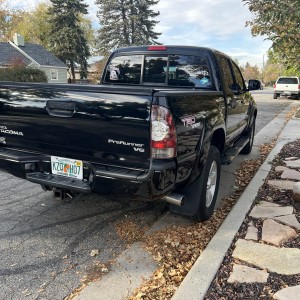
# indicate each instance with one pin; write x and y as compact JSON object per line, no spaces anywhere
{"x":197,"y":282}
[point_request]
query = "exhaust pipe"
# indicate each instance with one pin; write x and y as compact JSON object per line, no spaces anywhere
{"x":175,"y":199}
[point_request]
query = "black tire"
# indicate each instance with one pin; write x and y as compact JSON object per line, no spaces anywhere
{"x":209,"y":183}
{"x":248,"y":147}
{"x":275,"y":96}
{"x":297,"y":97}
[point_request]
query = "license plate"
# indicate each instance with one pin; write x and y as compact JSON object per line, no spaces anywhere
{"x":67,"y":167}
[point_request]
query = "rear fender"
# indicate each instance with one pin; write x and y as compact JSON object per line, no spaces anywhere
{"x":193,"y":189}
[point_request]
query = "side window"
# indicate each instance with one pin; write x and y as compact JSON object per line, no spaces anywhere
{"x":238,"y":77}
{"x":124,"y":69}
{"x":227,"y":74}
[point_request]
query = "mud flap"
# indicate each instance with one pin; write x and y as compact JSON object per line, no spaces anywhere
{"x":192,"y":202}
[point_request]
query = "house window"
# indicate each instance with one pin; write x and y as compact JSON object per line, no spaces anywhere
{"x":54,"y":74}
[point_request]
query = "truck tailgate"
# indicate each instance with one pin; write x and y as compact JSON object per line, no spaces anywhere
{"x":88,"y":123}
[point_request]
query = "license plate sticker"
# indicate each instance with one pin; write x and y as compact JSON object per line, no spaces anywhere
{"x":67,"y":167}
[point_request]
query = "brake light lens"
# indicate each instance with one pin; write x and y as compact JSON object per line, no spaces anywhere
{"x":157,"y":48}
{"x":274,"y":86}
{"x":163,"y":133}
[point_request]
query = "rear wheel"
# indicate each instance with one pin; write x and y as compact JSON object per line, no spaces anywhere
{"x":209,"y":182}
{"x":275,"y":96}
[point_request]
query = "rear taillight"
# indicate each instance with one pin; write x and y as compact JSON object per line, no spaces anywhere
{"x":274,"y":86}
{"x":163,"y":133}
{"x":299,"y":86}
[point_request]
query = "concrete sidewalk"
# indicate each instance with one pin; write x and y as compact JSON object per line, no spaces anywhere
{"x":197,"y":282}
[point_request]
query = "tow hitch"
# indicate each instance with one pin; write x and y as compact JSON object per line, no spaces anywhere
{"x":64,"y":195}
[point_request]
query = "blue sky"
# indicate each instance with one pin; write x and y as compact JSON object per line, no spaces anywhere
{"x":218,"y":24}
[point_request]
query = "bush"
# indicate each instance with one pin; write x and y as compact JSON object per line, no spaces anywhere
{"x":23,"y":74}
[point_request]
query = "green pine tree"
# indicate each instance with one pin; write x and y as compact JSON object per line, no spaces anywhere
{"x":126,"y":23}
{"x":68,"y":40}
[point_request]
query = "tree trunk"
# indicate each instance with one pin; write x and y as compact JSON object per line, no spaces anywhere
{"x":72,"y":71}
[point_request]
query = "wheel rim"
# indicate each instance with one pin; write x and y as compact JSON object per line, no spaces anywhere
{"x":211,"y":183}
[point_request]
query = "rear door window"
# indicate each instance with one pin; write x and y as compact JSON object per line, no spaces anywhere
{"x":240,"y":84}
{"x":227,"y":75}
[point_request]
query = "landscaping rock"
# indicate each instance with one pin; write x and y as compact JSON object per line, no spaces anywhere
{"x":289,"y":293}
{"x":283,"y":261}
{"x":290,"y":174}
{"x":244,"y":274}
{"x":268,"y":204}
{"x":264,"y":212}
{"x":282,"y":184}
{"x":290,"y":220}
{"x":252,"y":232}
{"x":296,"y":192}
{"x":280,"y":169}
{"x":293,"y":163}
{"x":275,"y":233}
{"x":291,"y":158}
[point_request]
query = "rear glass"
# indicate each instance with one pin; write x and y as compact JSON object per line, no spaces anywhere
{"x":287,"y":81}
{"x":188,"y":70}
{"x":155,"y":69}
{"x":174,"y":70}
{"x":124,"y":69}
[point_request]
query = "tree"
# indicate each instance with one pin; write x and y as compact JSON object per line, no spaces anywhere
{"x":250,"y":72}
{"x":35,"y":26}
{"x":8,"y":20}
{"x":280,"y":22}
{"x":67,"y":38}
{"x":126,"y":23}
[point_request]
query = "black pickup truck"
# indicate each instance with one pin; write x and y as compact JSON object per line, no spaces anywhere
{"x":158,"y":126}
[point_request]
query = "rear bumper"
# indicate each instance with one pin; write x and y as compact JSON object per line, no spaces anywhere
{"x":287,"y":93}
{"x":151,"y":184}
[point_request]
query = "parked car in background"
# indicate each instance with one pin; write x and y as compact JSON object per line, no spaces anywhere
{"x":287,"y":86}
{"x":254,"y":84}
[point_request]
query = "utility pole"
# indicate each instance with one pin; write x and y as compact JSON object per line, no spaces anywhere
{"x":263,"y":70}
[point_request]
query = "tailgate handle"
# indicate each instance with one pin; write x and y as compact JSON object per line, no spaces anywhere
{"x":61,"y":109}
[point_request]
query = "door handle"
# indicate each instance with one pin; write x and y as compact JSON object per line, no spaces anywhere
{"x":60,"y":109}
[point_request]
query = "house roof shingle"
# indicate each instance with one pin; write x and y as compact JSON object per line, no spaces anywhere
{"x":8,"y":54}
{"x":36,"y":52}
{"x":41,"y":55}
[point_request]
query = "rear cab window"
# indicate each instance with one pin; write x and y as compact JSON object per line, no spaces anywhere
{"x":171,"y":70}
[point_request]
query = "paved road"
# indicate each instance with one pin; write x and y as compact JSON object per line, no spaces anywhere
{"x":268,"y":107}
{"x":45,"y":244}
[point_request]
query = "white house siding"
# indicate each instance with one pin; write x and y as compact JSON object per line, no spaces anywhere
{"x":61,"y":74}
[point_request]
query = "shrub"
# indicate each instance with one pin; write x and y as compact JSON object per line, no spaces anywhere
{"x":23,"y":74}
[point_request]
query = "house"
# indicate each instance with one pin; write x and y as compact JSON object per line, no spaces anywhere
{"x":94,"y":70}
{"x":33,"y":55}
